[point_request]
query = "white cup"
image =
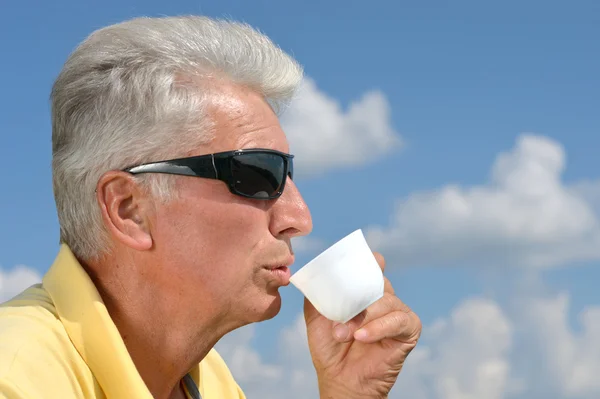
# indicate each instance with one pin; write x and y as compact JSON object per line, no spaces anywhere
{"x":343,"y":280}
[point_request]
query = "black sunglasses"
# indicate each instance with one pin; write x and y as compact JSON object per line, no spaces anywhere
{"x":253,"y":173}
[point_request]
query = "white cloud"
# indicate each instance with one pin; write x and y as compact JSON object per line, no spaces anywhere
{"x":291,"y":375}
{"x":325,"y":137}
{"x":293,"y":346}
{"x":525,"y":216}
{"x":466,"y":358}
{"x":16,"y":280}
{"x":472,"y":354}
{"x":469,"y":354}
{"x":245,"y":362}
{"x":571,"y":358}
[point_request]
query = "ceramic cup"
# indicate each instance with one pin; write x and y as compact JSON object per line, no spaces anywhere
{"x":343,"y":280}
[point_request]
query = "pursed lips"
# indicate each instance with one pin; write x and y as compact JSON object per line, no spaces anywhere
{"x":286,"y":262}
{"x":280,"y":270}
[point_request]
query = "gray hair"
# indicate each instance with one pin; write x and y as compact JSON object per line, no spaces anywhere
{"x":125,"y":96}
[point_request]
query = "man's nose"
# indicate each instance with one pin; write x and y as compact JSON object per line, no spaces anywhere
{"x":290,"y":214}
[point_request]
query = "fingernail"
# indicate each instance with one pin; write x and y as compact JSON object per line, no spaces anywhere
{"x":361,"y":335}
{"x":340,"y":332}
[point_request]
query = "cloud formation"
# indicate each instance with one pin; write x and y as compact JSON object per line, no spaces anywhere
{"x":469,"y":354}
{"x":16,"y":280}
{"x":291,"y":374}
{"x":325,"y":137}
{"x":524,"y":216}
{"x":466,"y":356}
{"x":570,"y":357}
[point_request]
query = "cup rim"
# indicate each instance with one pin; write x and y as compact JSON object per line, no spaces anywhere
{"x":305,"y":271}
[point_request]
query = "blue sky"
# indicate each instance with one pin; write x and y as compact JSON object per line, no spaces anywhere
{"x":457,"y":84}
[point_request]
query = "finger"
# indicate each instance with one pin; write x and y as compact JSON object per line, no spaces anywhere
{"x":387,"y":304}
{"x":380,"y":260}
{"x":401,"y":326}
{"x":387,"y":287}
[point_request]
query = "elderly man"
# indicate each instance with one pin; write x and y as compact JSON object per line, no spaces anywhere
{"x":176,"y":202}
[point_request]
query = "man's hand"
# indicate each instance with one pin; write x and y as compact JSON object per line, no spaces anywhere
{"x":362,"y":358}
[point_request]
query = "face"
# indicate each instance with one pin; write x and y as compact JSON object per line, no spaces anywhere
{"x":232,"y":252}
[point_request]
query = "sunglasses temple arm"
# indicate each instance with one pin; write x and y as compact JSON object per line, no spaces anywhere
{"x":200,"y":167}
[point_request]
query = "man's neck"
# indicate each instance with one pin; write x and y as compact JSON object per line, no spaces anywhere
{"x":164,"y":344}
{"x":178,"y":392}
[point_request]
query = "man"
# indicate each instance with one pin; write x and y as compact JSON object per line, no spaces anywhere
{"x":176,"y":203}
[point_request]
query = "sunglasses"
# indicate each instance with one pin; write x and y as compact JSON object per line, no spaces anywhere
{"x":252,"y":173}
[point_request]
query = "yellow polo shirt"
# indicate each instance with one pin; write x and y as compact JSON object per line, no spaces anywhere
{"x":58,"y":341}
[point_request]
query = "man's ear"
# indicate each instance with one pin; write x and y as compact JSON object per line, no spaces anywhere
{"x":126,"y":209}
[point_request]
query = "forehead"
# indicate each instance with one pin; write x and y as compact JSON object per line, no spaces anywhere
{"x":242,"y":118}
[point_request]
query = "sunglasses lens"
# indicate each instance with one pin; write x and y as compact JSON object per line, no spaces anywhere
{"x":258,"y":175}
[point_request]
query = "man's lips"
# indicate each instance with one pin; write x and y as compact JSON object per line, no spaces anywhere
{"x":284,"y":263}
{"x":281,"y":270}
{"x":282,"y":274}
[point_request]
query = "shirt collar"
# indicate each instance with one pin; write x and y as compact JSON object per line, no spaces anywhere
{"x":91,"y":329}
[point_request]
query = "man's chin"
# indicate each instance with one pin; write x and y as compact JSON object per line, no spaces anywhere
{"x":271,"y":309}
